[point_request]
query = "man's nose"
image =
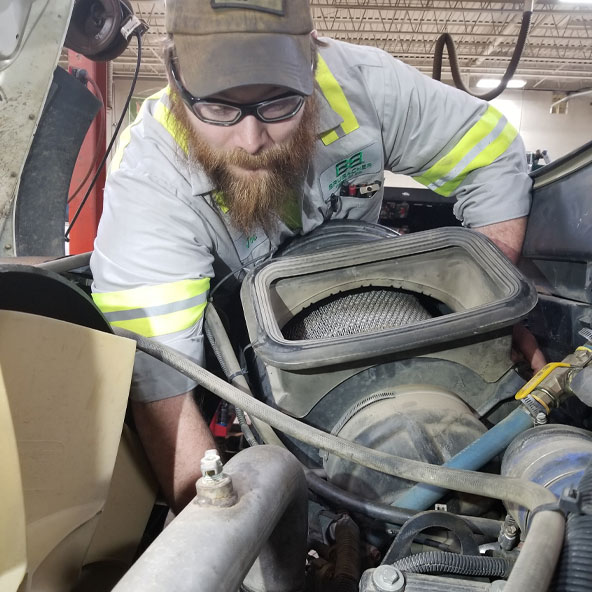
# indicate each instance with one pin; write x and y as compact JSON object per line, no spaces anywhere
{"x":251,"y":135}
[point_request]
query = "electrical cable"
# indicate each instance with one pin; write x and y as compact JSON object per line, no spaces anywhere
{"x":446,"y":40}
{"x":102,"y":122}
{"x":138,"y":36}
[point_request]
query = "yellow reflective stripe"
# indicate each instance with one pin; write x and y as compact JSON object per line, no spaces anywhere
{"x":337,"y":100}
{"x":162,"y":115}
{"x":171,"y":124}
{"x":486,"y":157}
{"x":148,"y":296}
{"x":478,"y":132}
{"x":163,"y":324}
{"x":219,"y":199}
{"x":329,"y":137}
{"x":479,"y":147}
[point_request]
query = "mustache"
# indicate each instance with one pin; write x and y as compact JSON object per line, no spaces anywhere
{"x":271,"y":158}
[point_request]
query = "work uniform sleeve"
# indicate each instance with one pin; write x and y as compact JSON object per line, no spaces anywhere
{"x":454,"y":144}
{"x":151,"y":272}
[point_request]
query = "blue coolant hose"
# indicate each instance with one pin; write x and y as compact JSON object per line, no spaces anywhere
{"x":473,"y":457}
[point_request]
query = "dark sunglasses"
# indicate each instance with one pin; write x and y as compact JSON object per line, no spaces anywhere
{"x":220,"y":112}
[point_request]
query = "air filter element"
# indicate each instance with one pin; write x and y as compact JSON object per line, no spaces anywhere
{"x":354,"y":313}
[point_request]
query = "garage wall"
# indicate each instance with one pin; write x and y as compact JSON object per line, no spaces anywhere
{"x":558,"y":133}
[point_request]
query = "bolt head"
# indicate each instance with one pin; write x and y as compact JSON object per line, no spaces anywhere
{"x":386,"y":578}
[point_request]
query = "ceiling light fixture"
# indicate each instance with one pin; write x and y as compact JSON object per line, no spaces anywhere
{"x":495,"y":82}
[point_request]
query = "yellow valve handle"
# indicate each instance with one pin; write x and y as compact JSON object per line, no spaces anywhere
{"x":538,"y":378}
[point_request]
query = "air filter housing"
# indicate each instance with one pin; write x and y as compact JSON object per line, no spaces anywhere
{"x":432,"y":293}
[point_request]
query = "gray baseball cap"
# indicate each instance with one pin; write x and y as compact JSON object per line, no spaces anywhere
{"x":222,"y":44}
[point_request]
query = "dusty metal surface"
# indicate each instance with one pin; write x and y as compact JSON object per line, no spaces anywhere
{"x":23,"y":88}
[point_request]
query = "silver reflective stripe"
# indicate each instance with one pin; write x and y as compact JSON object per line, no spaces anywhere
{"x":471,"y":155}
{"x":154,"y":311}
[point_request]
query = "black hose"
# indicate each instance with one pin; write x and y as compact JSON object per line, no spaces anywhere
{"x":452,"y":563}
{"x":575,"y":565}
{"x":385,"y":512}
{"x":446,"y":40}
{"x":585,"y":490}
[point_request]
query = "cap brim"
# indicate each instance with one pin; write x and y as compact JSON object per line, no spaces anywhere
{"x":211,"y":64}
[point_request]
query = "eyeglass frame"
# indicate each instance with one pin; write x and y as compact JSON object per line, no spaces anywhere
{"x":245,"y":109}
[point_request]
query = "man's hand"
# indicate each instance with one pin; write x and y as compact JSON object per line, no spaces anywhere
{"x":508,"y":237}
{"x":175,"y":437}
{"x":524,"y":345}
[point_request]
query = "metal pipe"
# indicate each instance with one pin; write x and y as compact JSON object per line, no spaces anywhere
{"x":259,"y":541}
{"x":568,"y":98}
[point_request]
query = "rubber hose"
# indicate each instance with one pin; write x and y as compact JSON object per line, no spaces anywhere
{"x":575,"y":566}
{"x":435,"y":562}
{"x":224,"y":364}
{"x":543,"y":544}
{"x":585,"y":490}
{"x":386,"y":512}
{"x":446,"y":40}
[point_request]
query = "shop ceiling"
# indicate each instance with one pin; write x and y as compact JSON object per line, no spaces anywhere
{"x":558,"y":55}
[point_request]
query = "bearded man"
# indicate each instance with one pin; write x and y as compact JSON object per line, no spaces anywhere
{"x":264,"y":133}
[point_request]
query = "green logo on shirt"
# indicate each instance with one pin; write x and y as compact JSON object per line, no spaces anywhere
{"x":349,"y":168}
{"x":251,"y":240}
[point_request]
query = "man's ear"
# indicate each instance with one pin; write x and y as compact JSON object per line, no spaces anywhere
{"x":314,"y":34}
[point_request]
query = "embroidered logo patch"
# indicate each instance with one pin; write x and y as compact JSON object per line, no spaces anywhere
{"x":367,"y":160}
{"x":273,"y":6}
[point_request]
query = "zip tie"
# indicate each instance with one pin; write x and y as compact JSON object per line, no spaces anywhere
{"x":241,"y":372}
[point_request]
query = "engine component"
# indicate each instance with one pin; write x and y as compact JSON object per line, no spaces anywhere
{"x":541,"y":548}
{"x":473,"y":457}
{"x":476,"y":295}
{"x":411,"y":582}
{"x":197,"y":550}
{"x":418,"y":422}
{"x":356,"y":312}
{"x":552,"y":455}
{"x":401,"y":546}
{"x":440,"y":562}
{"x":581,"y":385}
{"x":545,"y":389}
{"x":386,"y":513}
{"x":339,"y":568}
{"x":575,"y":566}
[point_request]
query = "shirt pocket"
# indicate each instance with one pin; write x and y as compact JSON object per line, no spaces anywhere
{"x":360,"y":198}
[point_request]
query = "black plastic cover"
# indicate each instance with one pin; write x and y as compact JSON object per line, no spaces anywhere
{"x":514,"y":296}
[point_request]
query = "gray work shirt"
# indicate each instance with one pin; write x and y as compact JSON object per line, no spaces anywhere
{"x":162,"y":225}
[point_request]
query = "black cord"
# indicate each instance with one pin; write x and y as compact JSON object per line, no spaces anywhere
{"x":445,"y":40}
{"x":238,"y":270}
{"x":113,"y":138}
